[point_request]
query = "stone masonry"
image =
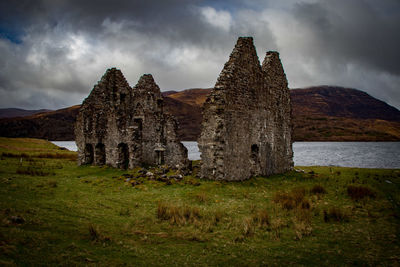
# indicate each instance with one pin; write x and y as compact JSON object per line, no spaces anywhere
{"x":246,"y":128}
{"x":126,"y":127}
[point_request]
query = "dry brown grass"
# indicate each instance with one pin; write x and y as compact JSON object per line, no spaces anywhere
{"x":292,"y":199}
{"x":33,"y":171}
{"x":179,"y":215}
{"x":335,"y":214}
{"x":14,"y":155}
{"x":70,"y":156}
{"x":317,"y":190}
{"x":247,"y":227}
{"x":201,"y":197}
{"x":360,"y":192}
{"x":261,"y":218}
{"x":302,"y":229}
{"x":95,"y":234}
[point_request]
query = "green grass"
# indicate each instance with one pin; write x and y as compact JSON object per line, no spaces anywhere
{"x":53,"y":212}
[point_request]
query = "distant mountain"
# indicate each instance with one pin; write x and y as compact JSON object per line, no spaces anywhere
{"x":194,"y":97}
{"x":186,"y":107}
{"x":331,"y":113}
{"x":167,"y":93}
{"x":188,"y":116}
{"x":341,"y":102}
{"x":17,"y":112}
{"x":323,"y":113}
{"x":53,"y":125}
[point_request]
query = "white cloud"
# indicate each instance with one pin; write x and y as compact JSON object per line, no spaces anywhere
{"x":220,"y":19}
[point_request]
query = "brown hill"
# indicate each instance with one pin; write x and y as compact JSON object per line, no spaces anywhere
{"x":341,"y":102}
{"x":188,"y":116}
{"x":322,"y":113}
{"x":194,"y":97}
{"x":329,"y":113}
{"x":54,"y":125}
{"x":17,"y":112}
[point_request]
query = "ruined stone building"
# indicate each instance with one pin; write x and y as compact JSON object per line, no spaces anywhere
{"x":246,"y":128}
{"x":125,"y":127}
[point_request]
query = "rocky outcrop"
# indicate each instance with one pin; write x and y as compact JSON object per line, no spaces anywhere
{"x":246,"y":128}
{"x":125,"y":127}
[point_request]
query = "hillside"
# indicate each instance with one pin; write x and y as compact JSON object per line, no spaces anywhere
{"x":324,"y":113}
{"x":54,"y":125}
{"x":194,"y":97}
{"x":340,"y":102}
{"x":329,"y":113}
{"x":188,"y":116}
{"x":17,"y":112}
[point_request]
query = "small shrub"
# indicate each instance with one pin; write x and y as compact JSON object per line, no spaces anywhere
{"x":302,"y":229}
{"x":298,"y":194}
{"x":360,"y":192}
{"x":177,"y":214}
{"x":14,"y":155}
{"x":93,"y":232}
{"x":305,"y":204}
{"x":70,"y":156}
{"x":334,"y":214}
{"x":290,"y":200}
{"x":125,"y":212}
{"x":201,"y":197}
{"x":303,"y":215}
{"x":247,"y":225}
{"x":95,"y":235}
{"x":276,"y":226}
{"x":261,"y":218}
{"x":317,"y":190}
{"x":191,"y":213}
{"x":217,"y":217}
{"x":33,"y":171}
{"x":284,"y":200}
{"x":162,"y":211}
{"x":52,"y":183}
{"x":191,"y":181}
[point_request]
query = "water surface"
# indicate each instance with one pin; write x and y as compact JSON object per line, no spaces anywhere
{"x":344,"y":154}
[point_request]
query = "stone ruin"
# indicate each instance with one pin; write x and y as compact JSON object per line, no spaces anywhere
{"x":126,"y":127}
{"x":246,"y":128}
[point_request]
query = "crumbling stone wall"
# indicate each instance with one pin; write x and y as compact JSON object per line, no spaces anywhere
{"x":126,"y":127}
{"x":246,"y":128}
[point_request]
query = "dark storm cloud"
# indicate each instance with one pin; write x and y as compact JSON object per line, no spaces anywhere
{"x":52,"y":52}
{"x":349,"y":43}
{"x":354,"y":31}
{"x":172,"y":19}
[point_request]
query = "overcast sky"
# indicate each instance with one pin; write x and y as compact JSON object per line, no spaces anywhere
{"x":52,"y":52}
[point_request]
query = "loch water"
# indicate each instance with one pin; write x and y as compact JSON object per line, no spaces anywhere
{"x":344,"y":154}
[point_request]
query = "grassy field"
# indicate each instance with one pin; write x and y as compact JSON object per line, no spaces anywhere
{"x":56,"y":213}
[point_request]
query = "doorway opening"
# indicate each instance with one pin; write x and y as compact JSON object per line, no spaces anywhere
{"x":100,"y":153}
{"x":123,"y":156}
{"x":88,"y":154}
{"x":160,"y":157}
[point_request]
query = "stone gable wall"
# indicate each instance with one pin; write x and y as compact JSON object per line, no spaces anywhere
{"x":246,"y":128}
{"x":125,"y":127}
